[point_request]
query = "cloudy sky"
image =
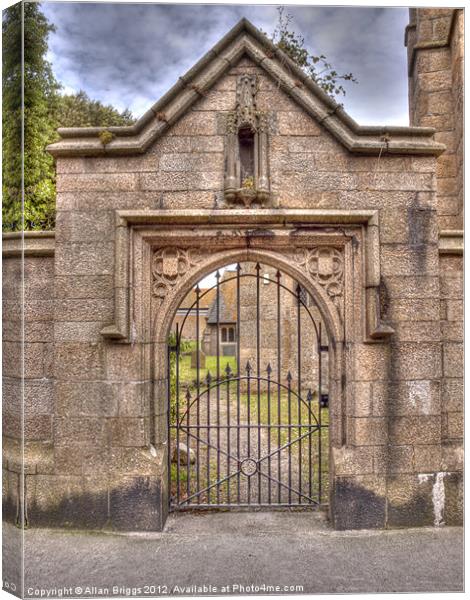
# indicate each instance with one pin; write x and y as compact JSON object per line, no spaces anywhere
{"x":128,"y":55}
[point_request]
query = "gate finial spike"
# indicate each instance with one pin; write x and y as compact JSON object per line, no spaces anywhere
{"x":298,"y":289}
{"x":188,"y":395}
{"x":278,"y":274}
{"x":208,"y":378}
{"x":217,"y":275}
{"x":228,"y":370}
{"x":248,"y":367}
{"x":269,"y":369}
{"x":197,"y":289}
{"x":309,"y":396}
{"x":239,"y":267}
{"x":289,"y":376}
{"x":258,"y":266}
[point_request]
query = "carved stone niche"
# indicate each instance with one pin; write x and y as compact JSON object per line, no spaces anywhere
{"x":246,"y":164}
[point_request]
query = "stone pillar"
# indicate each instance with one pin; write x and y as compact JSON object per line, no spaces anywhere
{"x":434,"y":39}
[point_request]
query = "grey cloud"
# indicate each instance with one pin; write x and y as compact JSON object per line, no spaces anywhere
{"x":130,"y":54}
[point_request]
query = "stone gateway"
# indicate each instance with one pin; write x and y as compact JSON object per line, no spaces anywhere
{"x":245,"y":159}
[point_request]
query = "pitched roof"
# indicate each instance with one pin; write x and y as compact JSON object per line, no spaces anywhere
{"x":227,"y":301}
{"x":246,"y":40}
{"x":206,"y":297}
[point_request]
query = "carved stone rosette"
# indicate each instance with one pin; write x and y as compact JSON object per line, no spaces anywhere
{"x":168,"y":266}
{"x":325,"y":266}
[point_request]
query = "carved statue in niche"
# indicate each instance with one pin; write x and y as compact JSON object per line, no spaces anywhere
{"x":246,"y":167}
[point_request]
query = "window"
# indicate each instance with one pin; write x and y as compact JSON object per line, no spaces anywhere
{"x":246,"y":144}
{"x":227,"y":335}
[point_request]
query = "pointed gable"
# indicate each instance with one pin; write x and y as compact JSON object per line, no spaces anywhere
{"x":244,"y":40}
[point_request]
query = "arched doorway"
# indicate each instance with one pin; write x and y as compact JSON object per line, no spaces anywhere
{"x":248,"y":393}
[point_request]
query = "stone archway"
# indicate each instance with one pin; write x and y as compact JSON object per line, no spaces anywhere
{"x":283,"y":391}
{"x":160,"y":255}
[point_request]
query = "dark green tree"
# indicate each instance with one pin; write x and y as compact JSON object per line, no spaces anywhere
{"x":78,"y":110}
{"x":33,"y":116}
{"x":316,"y":67}
{"x":45,"y":109}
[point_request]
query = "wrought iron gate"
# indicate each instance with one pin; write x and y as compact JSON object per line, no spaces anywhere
{"x":248,"y":432}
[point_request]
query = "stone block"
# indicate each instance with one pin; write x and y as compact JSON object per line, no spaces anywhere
{"x":368,"y":431}
{"x":452,"y":394}
{"x":452,"y":455}
{"x":413,"y":360}
{"x":38,"y":397}
{"x":81,"y":460}
{"x":414,"y":309}
{"x":70,"y":311}
{"x":401,"y":260}
{"x":85,"y":259}
{"x":351,"y":495}
{"x":409,"y":500}
{"x":192,"y":162}
{"x":455,"y":425}
{"x":371,"y":362}
{"x":416,"y":331}
{"x":86,"y":399}
{"x":97,"y":182}
{"x":67,"y":501}
{"x":129,"y":431}
{"x":297,"y":124}
{"x":195,"y":123}
{"x":427,"y":459}
{"x":177,"y":200}
{"x":78,"y":331}
{"x":416,"y":397}
{"x":453,"y":359}
{"x":353,"y":461}
{"x":85,"y":226}
{"x":80,"y":431}
{"x":451,"y":288}
{"x":78,"y":361}
{"x":435,"y":81}
{"x":136,"y":504}
{"x":134,"y":398}
{"x":454,"y":499}
{"x":124,"y":362}
{"x":400,"y":459}
{"x":84,"y":286}
{"x":414,"y":430}
{"x":454,"y":310}
{"x":181,"y":181}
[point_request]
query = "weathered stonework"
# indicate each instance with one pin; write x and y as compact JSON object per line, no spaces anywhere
{"x":354,"y":216}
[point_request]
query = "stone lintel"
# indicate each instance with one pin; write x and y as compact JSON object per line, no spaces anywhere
{"x":279,"y":219}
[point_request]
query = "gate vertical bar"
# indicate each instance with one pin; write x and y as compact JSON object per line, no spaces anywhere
{"x":238,"y":377}
{"x":258,"y":372}
{"x":248,"y":392}
{"x":299,"y":386}
{"x":228,"y":372}
{"x":279,"y":369}
{"x":269,"y":370}
{"x":198,"y":390}
{"x":177,"y":409}
{"x":208,"y":457}
{"x":218,"y":386}
{"x":320,"y":429}
{"x":289,"y":433}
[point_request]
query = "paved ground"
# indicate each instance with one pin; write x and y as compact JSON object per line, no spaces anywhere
{"x":245,"y":549}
